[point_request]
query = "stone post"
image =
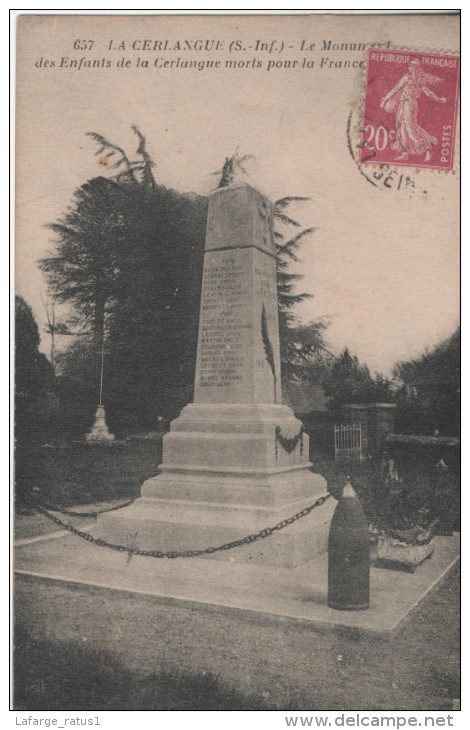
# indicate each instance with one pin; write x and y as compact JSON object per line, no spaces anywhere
{"x":99,"y":432}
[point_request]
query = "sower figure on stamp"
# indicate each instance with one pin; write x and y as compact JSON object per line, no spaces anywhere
{"x":402,"y":101}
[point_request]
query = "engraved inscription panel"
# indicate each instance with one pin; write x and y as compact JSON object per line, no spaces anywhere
{"x":224,"y":363}
{"x":238,"y":344}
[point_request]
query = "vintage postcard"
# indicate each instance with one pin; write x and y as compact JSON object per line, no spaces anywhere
{"x":237,"y":365}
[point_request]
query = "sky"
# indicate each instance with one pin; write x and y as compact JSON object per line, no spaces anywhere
{"x":383,"y":263}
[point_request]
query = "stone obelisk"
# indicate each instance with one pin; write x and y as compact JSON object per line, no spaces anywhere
{"x":236,"y":460}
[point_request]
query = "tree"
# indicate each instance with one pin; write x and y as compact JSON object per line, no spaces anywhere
{"x":349,"y":381}
{"x":302,"y":345}
{"x":430,"y":395}
{"x":231,"y":167}
{"x":78,"y":380}
{"x":126,"y":170}
{"x":93,"y":238}
{"x":153,"y":331}
{"x":34,"y":377}
{"x":86,"y":264}
{"x":129,"y":258}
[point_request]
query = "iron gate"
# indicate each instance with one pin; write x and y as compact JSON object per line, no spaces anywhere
{"x":348,"y":442}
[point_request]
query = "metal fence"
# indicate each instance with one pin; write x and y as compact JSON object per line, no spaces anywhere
{"x":348,"y":442}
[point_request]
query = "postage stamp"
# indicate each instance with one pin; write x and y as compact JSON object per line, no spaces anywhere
{"x":410,"y":109}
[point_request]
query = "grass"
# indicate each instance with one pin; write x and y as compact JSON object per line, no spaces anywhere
{"x":62,"y":676}
{"x":75,"y":473}
{"x":77,"y":649}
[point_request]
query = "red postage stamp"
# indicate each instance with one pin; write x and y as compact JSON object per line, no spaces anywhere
{"x":410,"y":109}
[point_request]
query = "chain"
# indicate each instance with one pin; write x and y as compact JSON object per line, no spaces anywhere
{"x":428,"y":535}
{"x":64,"y":511}
{"x":266,"y":532}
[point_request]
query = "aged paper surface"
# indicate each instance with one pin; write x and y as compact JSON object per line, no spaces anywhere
{"x":290,"y":94}
{"x":290,"y":108}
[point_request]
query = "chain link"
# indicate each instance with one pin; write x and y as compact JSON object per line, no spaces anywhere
{"x":63,"y":511}
{"x":423,"y":538}
{"x":427,"y":536}
{"x":266,"y":532}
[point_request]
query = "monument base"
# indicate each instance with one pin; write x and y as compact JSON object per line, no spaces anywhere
{"x":229,"y":471}
{"x":99,"y":432}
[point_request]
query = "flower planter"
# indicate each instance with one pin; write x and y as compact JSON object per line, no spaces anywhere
{"x":394,"y":553}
